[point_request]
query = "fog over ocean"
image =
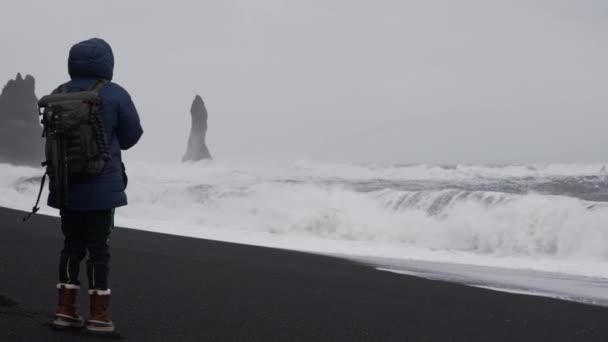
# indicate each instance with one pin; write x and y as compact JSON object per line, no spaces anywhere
{"x":441,"y":81}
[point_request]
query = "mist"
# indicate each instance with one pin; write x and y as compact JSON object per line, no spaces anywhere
{"x":385,"y":81}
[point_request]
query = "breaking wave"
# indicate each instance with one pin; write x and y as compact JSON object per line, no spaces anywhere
{"x":551,"y":211}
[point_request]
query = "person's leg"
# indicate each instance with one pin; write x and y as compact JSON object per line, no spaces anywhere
{"x":74,"y":250}
{"x":99,"y":227}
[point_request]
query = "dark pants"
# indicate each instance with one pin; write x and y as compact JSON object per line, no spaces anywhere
{"x":86,"y":231}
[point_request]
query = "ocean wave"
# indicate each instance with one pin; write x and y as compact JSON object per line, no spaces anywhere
{"x":501,"y":217}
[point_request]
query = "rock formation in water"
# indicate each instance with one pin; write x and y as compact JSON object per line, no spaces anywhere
{"x":197,"y":148}
{"x":20,"y":130}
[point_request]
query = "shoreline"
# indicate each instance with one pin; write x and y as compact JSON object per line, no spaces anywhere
{"x":168,"y":287}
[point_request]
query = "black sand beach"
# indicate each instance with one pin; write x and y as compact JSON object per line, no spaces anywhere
{"x":168,"y":288}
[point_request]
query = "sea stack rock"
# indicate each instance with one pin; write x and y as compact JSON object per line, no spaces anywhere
{"x":21,"y":142}
{"x":197,"y":148}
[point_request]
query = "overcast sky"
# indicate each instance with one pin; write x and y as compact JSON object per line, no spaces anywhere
{"x":436,"y":81}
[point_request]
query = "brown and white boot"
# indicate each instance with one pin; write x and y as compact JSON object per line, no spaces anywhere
{"x":100,"y":322}
{"x":66,"y":315}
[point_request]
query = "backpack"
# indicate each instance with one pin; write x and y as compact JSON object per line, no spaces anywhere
{"x":76,"y":145}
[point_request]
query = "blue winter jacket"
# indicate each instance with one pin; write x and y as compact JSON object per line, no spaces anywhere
{"x":88,"y":62}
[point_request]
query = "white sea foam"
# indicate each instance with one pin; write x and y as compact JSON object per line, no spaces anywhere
{"x":321,"y":208}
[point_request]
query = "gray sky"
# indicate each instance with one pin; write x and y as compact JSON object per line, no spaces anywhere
{"x":439,"y":81}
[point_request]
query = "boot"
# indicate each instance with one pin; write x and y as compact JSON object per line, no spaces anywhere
{"x":100,"y":322}
{"x":66,"y":315}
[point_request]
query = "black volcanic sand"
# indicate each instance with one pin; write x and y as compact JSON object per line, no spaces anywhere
{"x":169,"y":288}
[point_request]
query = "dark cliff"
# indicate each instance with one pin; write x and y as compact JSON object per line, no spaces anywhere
{"x":20,"y":130}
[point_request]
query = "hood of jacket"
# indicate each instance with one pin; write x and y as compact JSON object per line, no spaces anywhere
{"x":91,"y":58}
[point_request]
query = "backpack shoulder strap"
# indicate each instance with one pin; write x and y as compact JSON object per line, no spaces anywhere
{"x":98,"y":84}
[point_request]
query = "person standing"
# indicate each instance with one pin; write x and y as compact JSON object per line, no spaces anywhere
{"x":88,"y":218}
